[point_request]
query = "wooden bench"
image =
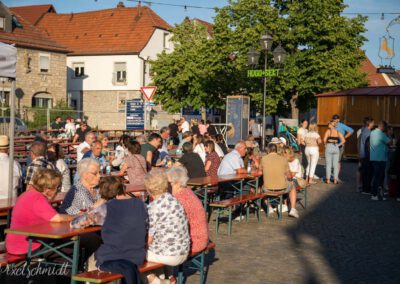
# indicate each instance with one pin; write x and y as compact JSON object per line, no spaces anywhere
{"x":7,"y":259}
{"x":225,"y":206}
{"x":276,"y":198}
{"x":97,"y":276}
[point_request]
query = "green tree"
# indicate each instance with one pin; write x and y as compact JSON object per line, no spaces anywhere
{"x":323,"y":55}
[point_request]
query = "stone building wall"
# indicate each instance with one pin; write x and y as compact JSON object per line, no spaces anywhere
{"x":31,"y":81}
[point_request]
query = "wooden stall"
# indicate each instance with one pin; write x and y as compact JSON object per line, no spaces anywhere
{"x":381,"y":103}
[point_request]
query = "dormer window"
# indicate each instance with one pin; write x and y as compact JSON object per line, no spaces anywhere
{"x":2,"y":23}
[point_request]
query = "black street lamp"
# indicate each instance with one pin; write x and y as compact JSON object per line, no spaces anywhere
{"x":253,"y":56}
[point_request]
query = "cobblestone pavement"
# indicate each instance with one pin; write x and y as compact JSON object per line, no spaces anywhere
{"x":342,"y":237}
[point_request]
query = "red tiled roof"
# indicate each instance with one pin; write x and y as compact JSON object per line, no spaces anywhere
{"x":113,"y":31}
{"x":30,"y":36}
{"x":374,"y":78}
{"x":366,"y":91}
{"x":208,"y":25}
{"x":33,"y":13}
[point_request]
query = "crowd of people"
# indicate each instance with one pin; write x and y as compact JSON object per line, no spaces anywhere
{"x":174,"y":223}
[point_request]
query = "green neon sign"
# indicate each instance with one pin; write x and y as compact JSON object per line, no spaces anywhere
{"x":262,"y":73}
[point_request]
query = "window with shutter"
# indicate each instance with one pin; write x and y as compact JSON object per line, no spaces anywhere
{"x":44,"y":63}
{"x":79,"y":69}
{"x":120,"y":73}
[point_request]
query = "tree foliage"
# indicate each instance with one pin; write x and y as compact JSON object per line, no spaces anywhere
{"x":323,"y":55}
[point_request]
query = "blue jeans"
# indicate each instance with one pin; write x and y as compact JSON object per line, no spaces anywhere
{"x":379,"y":176}
{"x":332,"y":154}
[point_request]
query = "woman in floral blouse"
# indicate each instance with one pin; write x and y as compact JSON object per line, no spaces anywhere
{"x":168,"y":236}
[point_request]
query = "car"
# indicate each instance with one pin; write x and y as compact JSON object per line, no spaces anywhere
{"x":19,"y":123}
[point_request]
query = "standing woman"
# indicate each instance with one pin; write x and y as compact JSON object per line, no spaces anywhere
{"x":333,"y":139}
{"x":301,"y":133}
{"x":312,"y":140}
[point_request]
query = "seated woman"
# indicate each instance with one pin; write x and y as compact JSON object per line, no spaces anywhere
{"x":55,"y":154}
{"x":33,"y":208}
{"x":168,"y":236}
{"x":103,"y":139}
{"x":198,"y":226}
{"x":84,"y":193}
{"x":212,"y":161}
{"x":124,"y":224}
{"x":134,"y":164}
{"x":191,"y":161}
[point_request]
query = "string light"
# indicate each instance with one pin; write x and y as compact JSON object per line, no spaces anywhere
{"x":186,"y":7}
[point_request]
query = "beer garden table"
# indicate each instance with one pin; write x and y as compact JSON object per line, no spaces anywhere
{"x":47,"y":234}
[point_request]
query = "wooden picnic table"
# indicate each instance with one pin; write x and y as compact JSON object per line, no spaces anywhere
{"x":203,"y":184}
{"x":46,"y":233}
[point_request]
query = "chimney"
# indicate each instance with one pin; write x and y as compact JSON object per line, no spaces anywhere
{"x":120,"y":4}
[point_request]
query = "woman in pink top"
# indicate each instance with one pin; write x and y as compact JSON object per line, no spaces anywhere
{"x":193,"y":207}
{"x":33,"y":207}
{"x":134,"y":164}
{"x":202,"y":127}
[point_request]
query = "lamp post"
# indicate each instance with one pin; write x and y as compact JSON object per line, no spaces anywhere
{"x":253,"y":56}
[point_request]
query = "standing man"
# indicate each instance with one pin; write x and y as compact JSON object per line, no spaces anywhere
{"x":346,"y":132}
{"x":4,"y":170}
{"x":379,"y":143}
{"x":366,"y":170}
{"x":255,"y":129}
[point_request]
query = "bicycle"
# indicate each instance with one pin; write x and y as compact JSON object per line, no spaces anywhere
{"x":289,"y":133}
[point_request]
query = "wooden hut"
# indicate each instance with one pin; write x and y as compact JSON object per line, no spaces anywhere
{"x":381,"y":103}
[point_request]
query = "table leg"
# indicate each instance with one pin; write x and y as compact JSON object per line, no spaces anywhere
{"x":205,"y":201}
{"x":75,"y":258}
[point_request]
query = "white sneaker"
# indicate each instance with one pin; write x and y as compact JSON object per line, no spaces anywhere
{"x":315,"y":177}
{"x":374,"y":198}
{"x":240,"y":218}
{"x":284,"y":208}
{"x":293,"y":213}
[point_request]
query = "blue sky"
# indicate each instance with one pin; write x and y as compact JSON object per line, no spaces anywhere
{"x":376,"y":26}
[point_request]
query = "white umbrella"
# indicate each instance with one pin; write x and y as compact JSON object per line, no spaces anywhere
{"x":8,"y":67}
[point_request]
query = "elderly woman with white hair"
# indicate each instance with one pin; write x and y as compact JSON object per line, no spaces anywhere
{"x":198,"y":228}
{"x":84,"y":193}
{"x":168,"y":236}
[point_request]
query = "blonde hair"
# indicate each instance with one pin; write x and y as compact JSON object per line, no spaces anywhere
{"x":313,"y":127}
{"x":194,"y":121}
{"x":156,"y":182}
{"x":46,"y":179}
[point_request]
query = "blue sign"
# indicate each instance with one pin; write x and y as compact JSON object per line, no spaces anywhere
{"x":134,"y":114}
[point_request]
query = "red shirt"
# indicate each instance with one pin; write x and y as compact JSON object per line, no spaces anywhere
{"x":32,"y":208}
{"x":196,"y":215}
{"x":215,"y":161}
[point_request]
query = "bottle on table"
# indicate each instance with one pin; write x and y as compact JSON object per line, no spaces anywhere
{"x":249,"y":167}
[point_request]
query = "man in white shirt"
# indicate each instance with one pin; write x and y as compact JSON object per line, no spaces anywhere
{"x":4,"y":170}
{"x":85,"y":146}
{"x":232,"y":163}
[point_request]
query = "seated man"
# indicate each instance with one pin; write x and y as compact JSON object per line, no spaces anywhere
{"x":192,"y":162}
{"x":85,"y":146}
{"x":232,"y":163}
{"x":277,"y":176}
{"x":95,"y":152}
